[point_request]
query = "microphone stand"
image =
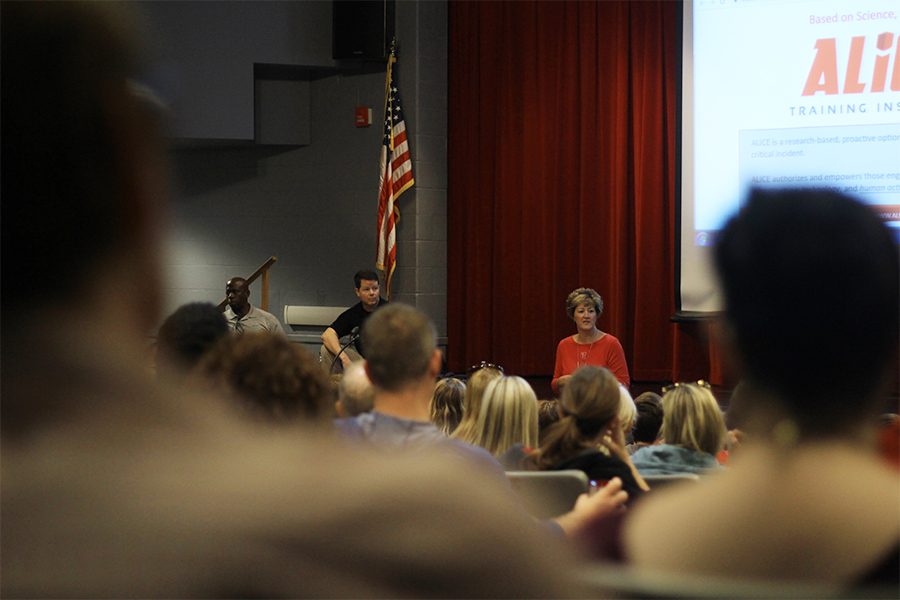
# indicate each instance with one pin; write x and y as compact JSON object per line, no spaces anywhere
{"x":353,"y":338}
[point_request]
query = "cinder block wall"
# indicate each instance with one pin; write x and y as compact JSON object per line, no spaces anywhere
{"x":421,"y":277}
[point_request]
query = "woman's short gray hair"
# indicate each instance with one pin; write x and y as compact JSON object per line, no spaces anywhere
{"x":583,"y":296}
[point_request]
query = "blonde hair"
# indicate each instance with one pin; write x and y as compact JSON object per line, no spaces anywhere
{"x":509,"y":416}
{"x":581,"y":296}
{"x":692,"y":419}
{"x":627,"y":410}
{"x":448,"y":404}
{"x":475,"y":386}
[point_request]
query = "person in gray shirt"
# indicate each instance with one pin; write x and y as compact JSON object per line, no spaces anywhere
{"x":241,"y":316}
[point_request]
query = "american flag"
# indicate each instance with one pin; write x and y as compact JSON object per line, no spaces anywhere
{"x":396,"y":177}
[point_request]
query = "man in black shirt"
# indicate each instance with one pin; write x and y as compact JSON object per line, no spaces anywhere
{"x":350,"y":322}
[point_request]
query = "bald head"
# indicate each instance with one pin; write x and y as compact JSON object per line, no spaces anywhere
{"x":355,"y":392}
{"x":237,"y":291}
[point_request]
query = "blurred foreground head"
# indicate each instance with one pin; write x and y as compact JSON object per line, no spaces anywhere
{"x":810,"y":280}
{"x":82,"y":184}
{"x":82,"y":162}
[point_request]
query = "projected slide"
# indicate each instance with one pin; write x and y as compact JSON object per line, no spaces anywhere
{"x":856,"y":159}
{"x":785,"y":93}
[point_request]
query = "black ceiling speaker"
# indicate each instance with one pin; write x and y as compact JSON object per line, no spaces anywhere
{"x":362,"y":29}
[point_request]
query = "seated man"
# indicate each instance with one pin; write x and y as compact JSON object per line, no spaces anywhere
{"x":241,"y":315}
{"x":350,"y":322}
{"x":402,"y":365}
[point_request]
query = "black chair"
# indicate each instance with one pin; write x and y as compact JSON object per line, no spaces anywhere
{"x":658,"y":481}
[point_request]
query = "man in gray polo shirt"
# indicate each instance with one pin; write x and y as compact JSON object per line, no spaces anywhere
{"x":241,"y":316}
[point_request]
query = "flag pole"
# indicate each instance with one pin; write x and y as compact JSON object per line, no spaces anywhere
{"x":396,"y":174}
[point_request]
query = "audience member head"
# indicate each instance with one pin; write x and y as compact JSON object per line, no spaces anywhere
{"x":269,"y":376}
{"x":692,"y":418}
{"x":355,"y":392}
{"x":82,"y":185}
{"x":186,"y":335}
{"x":583,"y":296}
{"x":548,"y":414}
{"x":448,"y":404}
{"x":590,"y":405}
{"x":401,"y":347}
{"x":508,"y":416}
{"x":810,"y":280}
{"x":479,"y":377}
{"x":649,"y":418}
{"x":627,"y":411}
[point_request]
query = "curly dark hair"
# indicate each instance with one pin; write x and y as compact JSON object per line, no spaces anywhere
{"x":187,"y":334}
{"x":270,"y":376}
{"x":548,"y":414}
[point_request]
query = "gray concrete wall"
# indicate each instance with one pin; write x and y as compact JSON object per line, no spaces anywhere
{"x":421,"y":277}
{"x":314,"y":207}
{"x":203,"y":55}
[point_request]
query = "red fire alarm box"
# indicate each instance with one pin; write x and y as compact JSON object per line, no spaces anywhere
{"x":363,"y":116}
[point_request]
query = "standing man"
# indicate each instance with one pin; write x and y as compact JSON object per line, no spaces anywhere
{"x":243,"y":317}
{"x":367,"y":290}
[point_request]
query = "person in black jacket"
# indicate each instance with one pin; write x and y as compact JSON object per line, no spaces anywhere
{"x":587,"y":436}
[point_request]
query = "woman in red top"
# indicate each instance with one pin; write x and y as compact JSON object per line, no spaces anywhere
{"x":589,"y":345}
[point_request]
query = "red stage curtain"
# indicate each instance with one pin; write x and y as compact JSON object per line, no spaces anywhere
{"x":562,"y":174}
